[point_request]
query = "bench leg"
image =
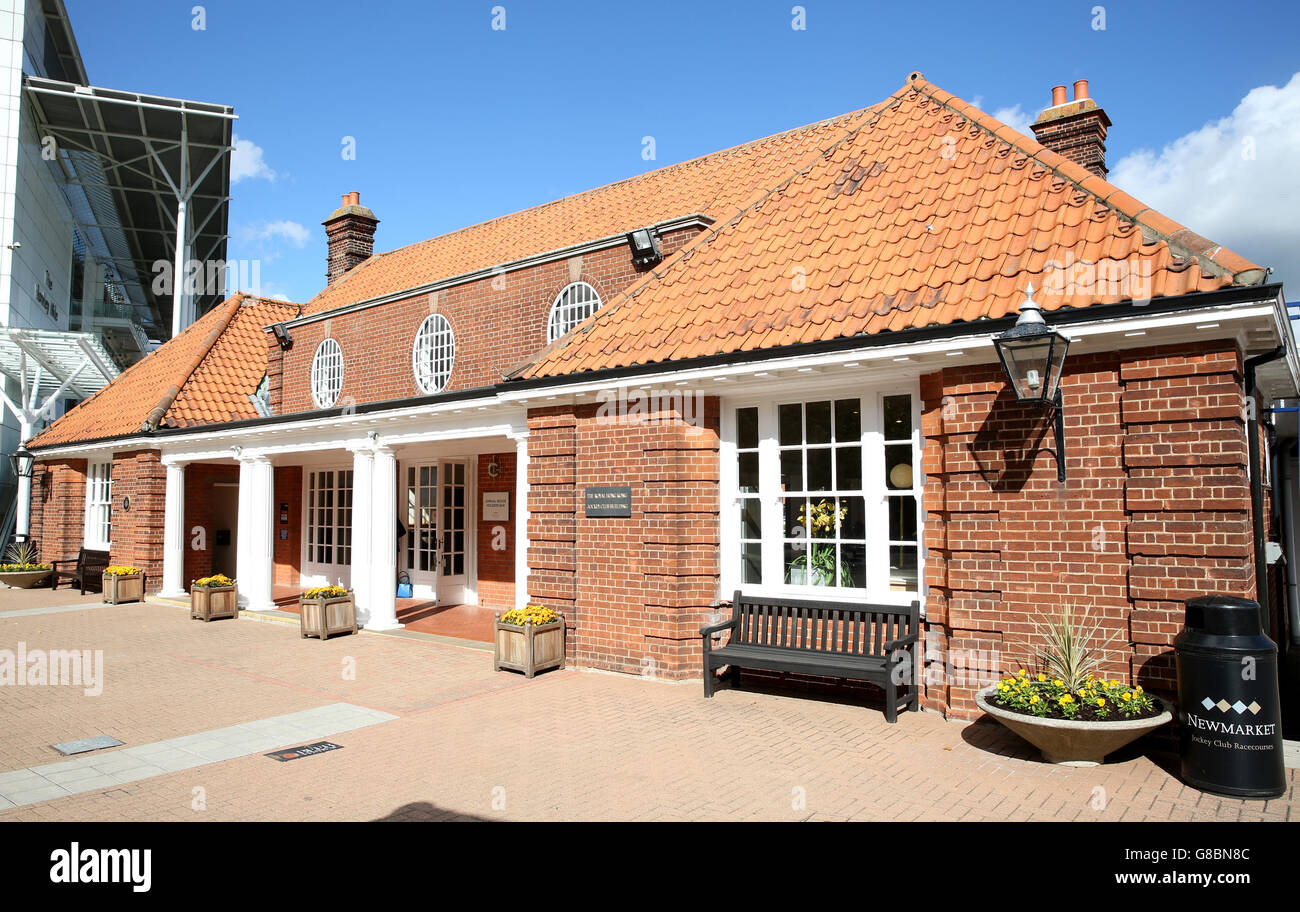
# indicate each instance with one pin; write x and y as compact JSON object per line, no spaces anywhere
{"x":708,"y":680}
{"x":891,"y":699}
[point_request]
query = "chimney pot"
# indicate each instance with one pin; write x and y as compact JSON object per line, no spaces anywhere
{"x":350,"y":232}
{"x":1076,"y":131}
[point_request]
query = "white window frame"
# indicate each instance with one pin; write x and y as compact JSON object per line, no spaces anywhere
{"x":433,"y":354}
{"x":98,"y":531}
{"x":874,"y":491}
{"x":565,"y":310}
{"x":340,"y":524}
{"x":327,"y":373}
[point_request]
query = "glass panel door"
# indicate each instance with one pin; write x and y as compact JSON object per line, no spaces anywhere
{"x":452,"y":533}
{"x":421,"y":542}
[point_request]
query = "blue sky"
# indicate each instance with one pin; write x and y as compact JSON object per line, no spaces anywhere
{"x":456,"y":122}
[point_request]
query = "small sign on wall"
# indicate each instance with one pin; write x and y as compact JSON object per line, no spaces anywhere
{"x":496,"y":506}
{"x":609,"y":501}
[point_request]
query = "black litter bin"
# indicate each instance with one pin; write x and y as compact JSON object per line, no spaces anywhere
{"x":1228,"y":700}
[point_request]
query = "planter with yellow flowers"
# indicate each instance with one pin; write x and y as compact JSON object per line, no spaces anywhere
{"x":123,"y":584}
{"x":1065,"y":708}
{"x":325,"y":611}
{"x":528,"y":639}
{"x":214,"y":597}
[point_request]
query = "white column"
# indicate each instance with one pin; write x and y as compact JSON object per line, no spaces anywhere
{"x":256,"y":532}
{"x":174,"y":582}
{"x":23,"y":506}
{"x":382,"y":577}
{"x":363,"y":468}
{"x":521,"y":521}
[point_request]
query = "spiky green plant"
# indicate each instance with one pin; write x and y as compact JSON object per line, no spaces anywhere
{"x":1072,"y":646}
{"x":23,"y":555}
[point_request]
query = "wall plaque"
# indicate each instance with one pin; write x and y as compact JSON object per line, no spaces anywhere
{"x":609,"y":501}
{"x":496,"y":506}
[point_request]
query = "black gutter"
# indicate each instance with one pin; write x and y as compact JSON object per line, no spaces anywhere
{"x":1067,"y":317}
{"x":1257,"y":482}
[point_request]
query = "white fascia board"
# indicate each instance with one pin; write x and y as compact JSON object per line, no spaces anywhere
{"x":1139,"y":330}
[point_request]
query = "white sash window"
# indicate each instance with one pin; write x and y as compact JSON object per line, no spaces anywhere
{"x":329,"y":517}
{"x":99,"y":505}
{"x":821,"y":496}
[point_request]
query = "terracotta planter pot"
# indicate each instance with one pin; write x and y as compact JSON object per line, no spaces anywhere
{"x":529,"y":649}
{"x":119,"y":589}
{"x":23,"y":579}
{"x":1071,"y":743}
{"x":215,"y":602}
{"x":324,"y":617}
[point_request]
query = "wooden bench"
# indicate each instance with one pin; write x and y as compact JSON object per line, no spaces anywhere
{"x":874,"y":643}
{"x":89,"y":569}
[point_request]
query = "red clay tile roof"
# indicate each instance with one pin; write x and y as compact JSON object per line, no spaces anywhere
{"x":716,"y":185}
{"x":202,"y":376}
{"x":924,"y":212}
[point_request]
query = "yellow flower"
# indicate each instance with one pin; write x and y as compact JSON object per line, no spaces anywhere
{"x":1033,"y":700}
{"x":1042,"y":677}
{"x":1128,"y":696}
{"x":1066,"y":699}
{"x":1101,"y":701}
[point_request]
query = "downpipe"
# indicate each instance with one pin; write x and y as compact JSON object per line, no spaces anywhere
{"x":1257,"y":482}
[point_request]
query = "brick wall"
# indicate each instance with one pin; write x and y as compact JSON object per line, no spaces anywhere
{"x":496,"y":569}
{"x":200,"y":493}
{"x":1155,"y":509}
{"x":287,"y":552}
{"x":633,"y":591}
{"x":138,"y":532}
{"x":498,"y":322}
{"x":59,"y":508}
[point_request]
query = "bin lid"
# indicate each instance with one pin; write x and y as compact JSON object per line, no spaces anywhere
{"x":1223,"y":615}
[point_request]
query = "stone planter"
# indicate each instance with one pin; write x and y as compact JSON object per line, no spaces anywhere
{"x":324,"y":617}
{"x":530,"y":649}
{"x":119,"y":589}
{"x":23,"y":579}
{"x":1072,"y":743}
{"x":208,"y":603}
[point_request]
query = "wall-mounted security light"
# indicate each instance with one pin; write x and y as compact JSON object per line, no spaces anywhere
{"x":645,"y":247}
{"x":1033,"y":356}
{"x":282,"y":336}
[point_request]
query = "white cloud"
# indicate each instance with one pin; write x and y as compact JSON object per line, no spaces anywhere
{"x":247,"y":162}
{"x":281,"y":230}
{"x":1016,"y":118}
{"x":1233,"y":180}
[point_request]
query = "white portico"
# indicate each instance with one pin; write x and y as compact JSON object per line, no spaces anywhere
{"x":359,"y":500}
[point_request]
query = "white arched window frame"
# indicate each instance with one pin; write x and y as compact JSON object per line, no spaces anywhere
{"x":327,"y":374}
{"x":575,"y":303}
{"x":434,"y":354}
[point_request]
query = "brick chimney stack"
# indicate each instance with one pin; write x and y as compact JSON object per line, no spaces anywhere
{"x":350,"y":231}
{"x":1075,"y":129}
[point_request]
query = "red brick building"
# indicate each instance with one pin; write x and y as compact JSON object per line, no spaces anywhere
{"x":799,"y":327}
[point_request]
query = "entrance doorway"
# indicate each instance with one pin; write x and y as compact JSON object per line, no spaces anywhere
{"x":435,"y":548}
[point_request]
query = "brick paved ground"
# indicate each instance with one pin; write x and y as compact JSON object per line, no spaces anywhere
{"x":469,"y":743}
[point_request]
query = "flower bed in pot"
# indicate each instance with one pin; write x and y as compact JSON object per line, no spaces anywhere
{"x":123,"y":584}
{"x":212,"y":597}
{"x":528,"y":639}
{"x":22,"y":569}
{"x":1066,"y":708}
{"x":325,"y":611}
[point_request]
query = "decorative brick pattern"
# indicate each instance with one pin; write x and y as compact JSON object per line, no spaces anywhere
{"x":1155,"y":509}
{"x":498,"y":322}
{"x":137,"y":532}
{"x":634,"y":591}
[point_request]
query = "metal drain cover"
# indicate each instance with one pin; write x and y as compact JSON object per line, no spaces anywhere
{"x":84,"y":745}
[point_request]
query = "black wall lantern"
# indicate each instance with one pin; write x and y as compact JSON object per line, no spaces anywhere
{"x":645,"y":247}
{"x":22,"y":463}
{"x":1033,"y":356}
